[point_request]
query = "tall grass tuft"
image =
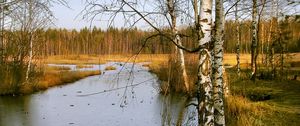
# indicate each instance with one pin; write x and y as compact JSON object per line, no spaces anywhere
{"x":12,"y":77}
{"x":170,"y":75}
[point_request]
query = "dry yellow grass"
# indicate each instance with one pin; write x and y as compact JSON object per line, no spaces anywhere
{"x":51,"y":79}
{"x":57,"y":68}
{"x":74,"y":59}
{"x":101,"y":59}
{"x":239,"y":109}
{"x":80,"y":66}
{"x":54,"y":76}
{"x":110,"y":68}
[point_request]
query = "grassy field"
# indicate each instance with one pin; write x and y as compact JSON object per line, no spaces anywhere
{"x":262,"y":103}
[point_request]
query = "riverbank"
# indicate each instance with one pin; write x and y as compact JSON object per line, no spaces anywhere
{"x":55,"y":78}
{"x":48,"y":77}
{"x":264,"y":102}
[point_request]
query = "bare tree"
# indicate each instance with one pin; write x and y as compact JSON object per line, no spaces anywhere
{"x":23,"y":20}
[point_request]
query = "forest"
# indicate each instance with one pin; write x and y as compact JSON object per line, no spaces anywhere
{"x":203,"y":62}
{"x":119,"y":41}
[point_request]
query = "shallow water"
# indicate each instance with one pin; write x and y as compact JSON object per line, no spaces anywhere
{"x":126,"y":96}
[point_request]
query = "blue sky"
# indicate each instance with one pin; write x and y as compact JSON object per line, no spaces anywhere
{"x":69,"y":17}
{"x":66,"y":17}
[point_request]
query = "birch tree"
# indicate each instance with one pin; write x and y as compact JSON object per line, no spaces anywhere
{"x":218,"y":65}
{"x":238,"y":37}
{"x":179,"y":52}
{"x":205,"y":87}
{"x":33,"y":15}
{"x":272,"y":36}
{"x":254,"y":37}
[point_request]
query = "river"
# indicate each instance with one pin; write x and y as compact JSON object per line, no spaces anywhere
{"x":127,"y":96}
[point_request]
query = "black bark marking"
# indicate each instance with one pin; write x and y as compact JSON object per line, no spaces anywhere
{"x":208,"y":11}
{"x":204,"y":20}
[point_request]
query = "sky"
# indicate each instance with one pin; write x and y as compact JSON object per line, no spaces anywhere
{"x":70,"y":18}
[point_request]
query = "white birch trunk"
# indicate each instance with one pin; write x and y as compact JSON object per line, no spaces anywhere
{"x":30,"y":57}
{"x":254,"y":40}
{"x":238,"y":37}
{"x":218,"y":65}
{"x":205,"y":107}
{"x":30,"y":23}
{"x":179,"y":52}
{"x":182,"y":64}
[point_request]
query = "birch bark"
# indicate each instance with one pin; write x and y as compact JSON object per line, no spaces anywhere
{"x":205,"y":105}
{"x":177,"y":39}
{"x":30,"y":39}
{"x":238,"y":37}
{"x":254,"y":38}
{"x":219,"y":116}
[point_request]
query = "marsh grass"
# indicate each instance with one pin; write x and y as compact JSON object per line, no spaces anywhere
{"x":12,"y":77}
{"x":263,"y":102}
{"x":49,"y":77}
{"x":80,"y":66}
{"x":102,"y":59}
{"x":170,"y":75}
{"x":57,"y":68}
{"x":108,"y":68}
{"x":55,"y":78}
{"x":260,"y":103}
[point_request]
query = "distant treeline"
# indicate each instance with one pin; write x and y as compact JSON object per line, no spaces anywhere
{"x":128,"y":41}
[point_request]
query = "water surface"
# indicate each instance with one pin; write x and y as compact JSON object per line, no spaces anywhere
{"x":126,"y":96}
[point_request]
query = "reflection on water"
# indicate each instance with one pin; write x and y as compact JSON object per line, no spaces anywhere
{"x":15,"y":110}
{"x":177,"y":110}
{"x":134,"y":101}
